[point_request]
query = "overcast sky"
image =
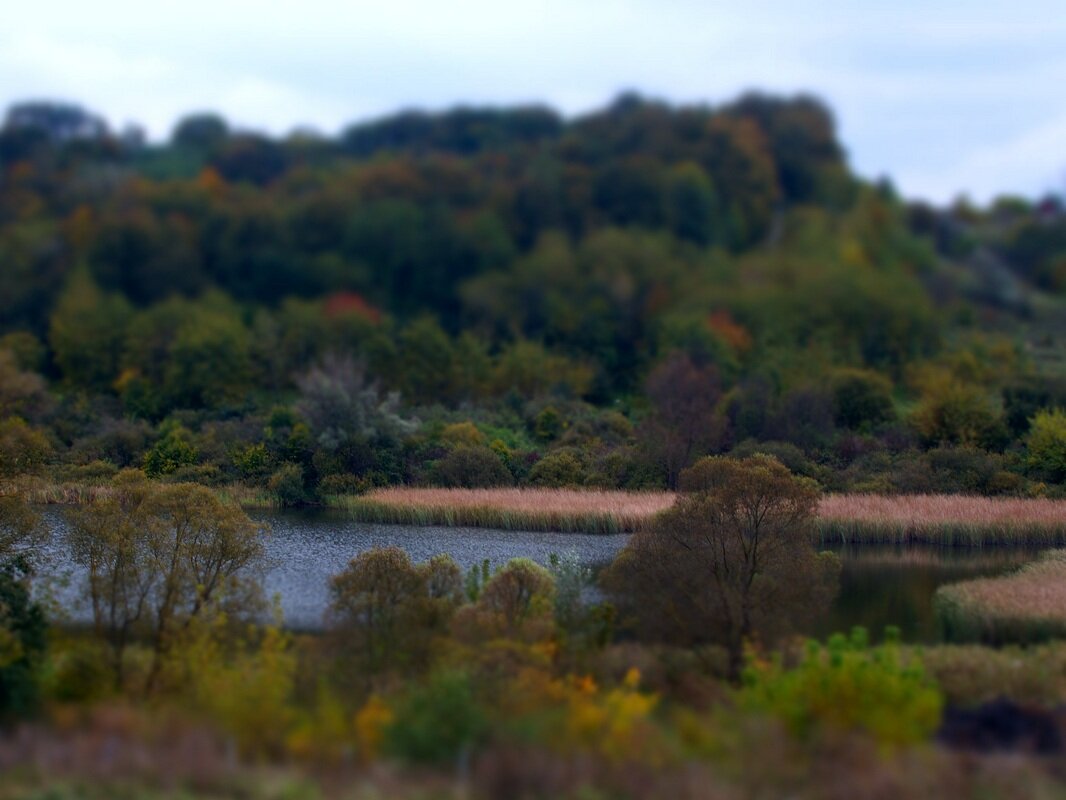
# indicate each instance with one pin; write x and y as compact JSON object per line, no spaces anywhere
{"x":944,"y":96}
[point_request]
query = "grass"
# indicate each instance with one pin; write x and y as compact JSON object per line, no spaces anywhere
{"x":40,"y":491}
{"x":945,"y":520}
{"x":566,"y":510}
{"x":1028,"y":605}
{"x":942,"y":520}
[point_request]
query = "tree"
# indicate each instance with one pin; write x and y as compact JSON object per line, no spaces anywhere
{"x":23,"y":638}
{"x":22,"y":448}
{"x":683,"y":424}
{"x":472,"y":467}
{"x":374,"y":606}
{"x":1046,"y":443}
{"x":731,"y":561}
{"x":160,"y":556}
{"x":23,"y":625}
{"x":521,"y":590}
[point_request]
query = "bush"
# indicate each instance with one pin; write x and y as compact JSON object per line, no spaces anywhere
{"x":862,"y":399}
{"x":170,"y":453}
{"x":436,"y":722}
{"x":22,"y":449}
{"x":471,"y":468}
{"x":23,"y":631}
{"x":1046,"y":444}
{"x":559,"y":468}
{"x":287,"y":485}
{"x":847,"y":686}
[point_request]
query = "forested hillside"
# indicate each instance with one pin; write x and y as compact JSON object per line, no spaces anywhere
{"x":500,"y":296}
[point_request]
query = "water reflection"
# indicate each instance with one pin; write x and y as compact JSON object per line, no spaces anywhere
{"x":883,"y":585}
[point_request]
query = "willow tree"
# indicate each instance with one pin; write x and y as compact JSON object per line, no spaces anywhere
{"x":730,"y":562}
{"x":158,"y":556}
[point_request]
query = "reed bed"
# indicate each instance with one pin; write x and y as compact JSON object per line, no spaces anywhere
{"x":945,"y":520}
{"x":565,"y":510}
{"x":38,"y":491}
{"x":1026,"y":606}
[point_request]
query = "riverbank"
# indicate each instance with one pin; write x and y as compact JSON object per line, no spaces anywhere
{"x":1026,"y":606}
{"x":942,"y":520}
{"x":939,"y":520}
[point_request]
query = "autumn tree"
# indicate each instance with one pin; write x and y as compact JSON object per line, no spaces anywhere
{"x":159,"y":557}
{"x":684,"y":423}
{"x":732,"y":561}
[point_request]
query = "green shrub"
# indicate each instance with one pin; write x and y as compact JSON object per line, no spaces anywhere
{"x":436,"y":722}
{"x":559,"y":468}
{"x":1046,"y":444}
{"x":847,"y":686}
{"x":862,"y":399}
{"x":471,"y":468}
{"x":287,"y":485}
{"x":170,"y":453}
{"x":23,"y":631}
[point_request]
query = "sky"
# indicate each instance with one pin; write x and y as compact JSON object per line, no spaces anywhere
{"x":944,"y":97}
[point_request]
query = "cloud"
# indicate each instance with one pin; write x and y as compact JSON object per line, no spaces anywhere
{"x":930,"y":93}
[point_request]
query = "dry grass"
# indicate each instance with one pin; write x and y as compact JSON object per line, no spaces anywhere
{"x":942,"y":520}
{"x":1026,"y":606}
{"x":567,"y":510}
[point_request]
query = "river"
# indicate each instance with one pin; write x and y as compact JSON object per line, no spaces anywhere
{"x":879,"y":585}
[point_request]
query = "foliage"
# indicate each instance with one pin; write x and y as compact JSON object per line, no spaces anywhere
{"x":520,"y":591}
{"x":287,"y":485}
{"x":158,"y":557}
{"x":1046,"y":444}
{"x":172,"y":452}
{"x":847,"y":685}
{"x":471,"y":467}
{"x":436,"y":722}
{"x":385,"y":611}
{"x":683,"y":425}
{"x":732,"y":560}
{"x":22,"y":448}
{"x":23,"y":639}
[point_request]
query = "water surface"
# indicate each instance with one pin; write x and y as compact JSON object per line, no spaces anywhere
{"x":880,"y":585}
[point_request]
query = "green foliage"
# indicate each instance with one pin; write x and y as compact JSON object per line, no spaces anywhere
{"x":287,"y":485}
{"x":170,"y":453}
{"x":548,"y":424}
{"x":437,"y":722}
{"x":86,"y":332}
{"x":847,"y":686}
{"x":563,"y":467}
{"x":23,"y":632}
{"x":953,"y":412}
{"x":22,"y":448}
{"x":1046,"y":443}
{"x":863,"y":399}
{"x":472,"y":467}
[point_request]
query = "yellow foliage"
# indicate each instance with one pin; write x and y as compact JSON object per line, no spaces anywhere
{"x":248,"y":693}
{"x":325,"y":732}
{"x":370,"y":725}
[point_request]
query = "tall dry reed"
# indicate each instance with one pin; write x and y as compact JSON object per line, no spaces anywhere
{"x":567,"y":510}
{"x":1026,"y":606}
{"x":952,"y":520}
